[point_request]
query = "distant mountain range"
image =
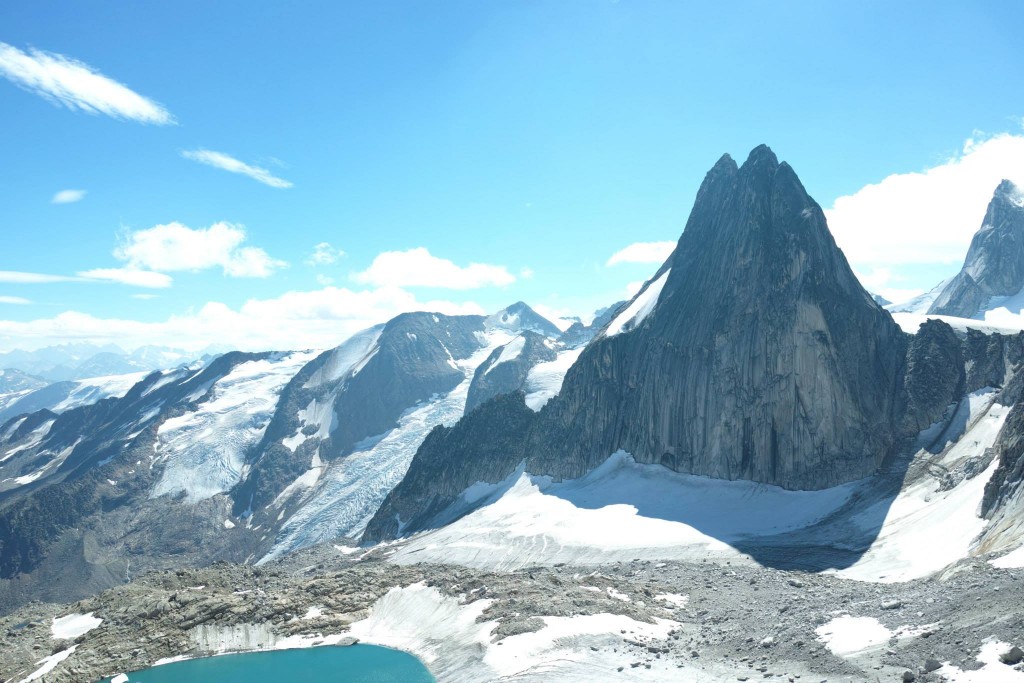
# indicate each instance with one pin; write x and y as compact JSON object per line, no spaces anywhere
{"x":84,"y":360}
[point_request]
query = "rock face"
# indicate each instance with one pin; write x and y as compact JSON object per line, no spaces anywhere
{"x":995,"y":261}
{"x":507,"y":368}
{"x":753,"y":353}
{"x":763,"y":358}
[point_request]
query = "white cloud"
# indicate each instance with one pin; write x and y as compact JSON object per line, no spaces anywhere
{"x":68,"y":197}
{"x":526,"y":273}
{"x":324,"y":255}
{"x":927,"y":217}
{"x":312,"y":319}
{"x":643,"y":252}
{"x":562,"y":318}
{"x":23,"y":278}
{"x":145,"y":297}
{"x":882,"y":280}
{"x":77,"y":86}
{"x":173,"y":246}
{"x":418,"y":268}
{"x":17,"y":300}
{"x":228,"y":163}
{"x":633,"y":287}
{"x":324,"y":280}
{"x":129,"y":276}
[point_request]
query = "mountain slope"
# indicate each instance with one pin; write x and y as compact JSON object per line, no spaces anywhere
{"x":753,"y":353}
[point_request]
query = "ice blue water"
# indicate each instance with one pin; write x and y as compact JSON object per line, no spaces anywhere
{"x":353,"y":664}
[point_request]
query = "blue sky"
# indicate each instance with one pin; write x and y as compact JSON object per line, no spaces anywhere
{"x":536,"y":139}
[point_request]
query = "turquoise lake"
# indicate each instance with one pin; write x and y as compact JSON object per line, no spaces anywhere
{"x":353,"y":664}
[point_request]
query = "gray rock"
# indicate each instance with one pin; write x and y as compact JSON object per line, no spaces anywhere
{"x":995,"y":260}
{"x":1012,"y":656}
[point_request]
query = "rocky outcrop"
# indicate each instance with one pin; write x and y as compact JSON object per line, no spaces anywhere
{"x":935,"y":375}
{"x":995,"y":260}
{"x":476,"y":449}
{"x":753,"y":353}
{"x":508,"y":366}
{"x":578,"y":334}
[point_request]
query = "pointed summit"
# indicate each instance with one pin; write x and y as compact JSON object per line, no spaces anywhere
{"x":518,"y":318}
{"x":995,"y":260}
{"x":753,"y":353}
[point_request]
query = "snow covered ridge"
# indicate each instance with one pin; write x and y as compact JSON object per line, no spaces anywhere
{"x":641,"y":306}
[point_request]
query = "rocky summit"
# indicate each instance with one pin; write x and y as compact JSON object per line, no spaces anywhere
{"x":753,"y":353}
{"x":995,"y":261}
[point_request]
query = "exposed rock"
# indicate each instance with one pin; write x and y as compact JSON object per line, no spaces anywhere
{"x":760,"y":358}
{"x":507,"y":368}
{"x":1014,"y":655}
{"x":995,"y":259}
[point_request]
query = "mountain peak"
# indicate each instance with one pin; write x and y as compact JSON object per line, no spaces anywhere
{"x":761,"y":155}
{"x":519,"y":317}
{"x":995,"y":260}
{"x":1007,"y":189}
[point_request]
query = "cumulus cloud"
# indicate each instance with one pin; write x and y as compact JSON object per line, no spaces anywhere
{"x":228,"y":163}
{"x":418,"y":268}
{"x":17,"y":300}
{"x":324,"y":255}
{"x":299,"y":319}
{"x":173,"y":247}
{"x":68,"y":197}
{"x":129,"y":276}
{"x":643,"y":252}
{"x":928,"y":216}
{"x":77,"y":86}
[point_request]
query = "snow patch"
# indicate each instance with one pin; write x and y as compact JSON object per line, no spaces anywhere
{"x":73,"y":625}
{"x":991,"y":671}
{"x":50,"y":663}
{"x":846,"y":635}
{"x":1011,"y":560}
{"x":203,"y":451}
{"x":639,"y":309}
{"x":620,"y":511}
{"x":448,"y":636}
{"x":509,"y":352}
{"x":544,"y":380}
{"x":926,"y":529}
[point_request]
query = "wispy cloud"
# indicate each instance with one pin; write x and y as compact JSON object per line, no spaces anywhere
{"x":125,"y":276}
{"x":419,"y":268}
{"x":17,"y":300}
{"x":77,"y":86}
{"x":68,"y":197}
{"x":173,"y":246}
{"x":294,"y":320}
{"x":324,"y":255}
{"x":23,"y":278}
{"x":129,"y":276}
{"x":642,"y":252}
{"x":228,"y":163}
{"x":144,"y":297}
